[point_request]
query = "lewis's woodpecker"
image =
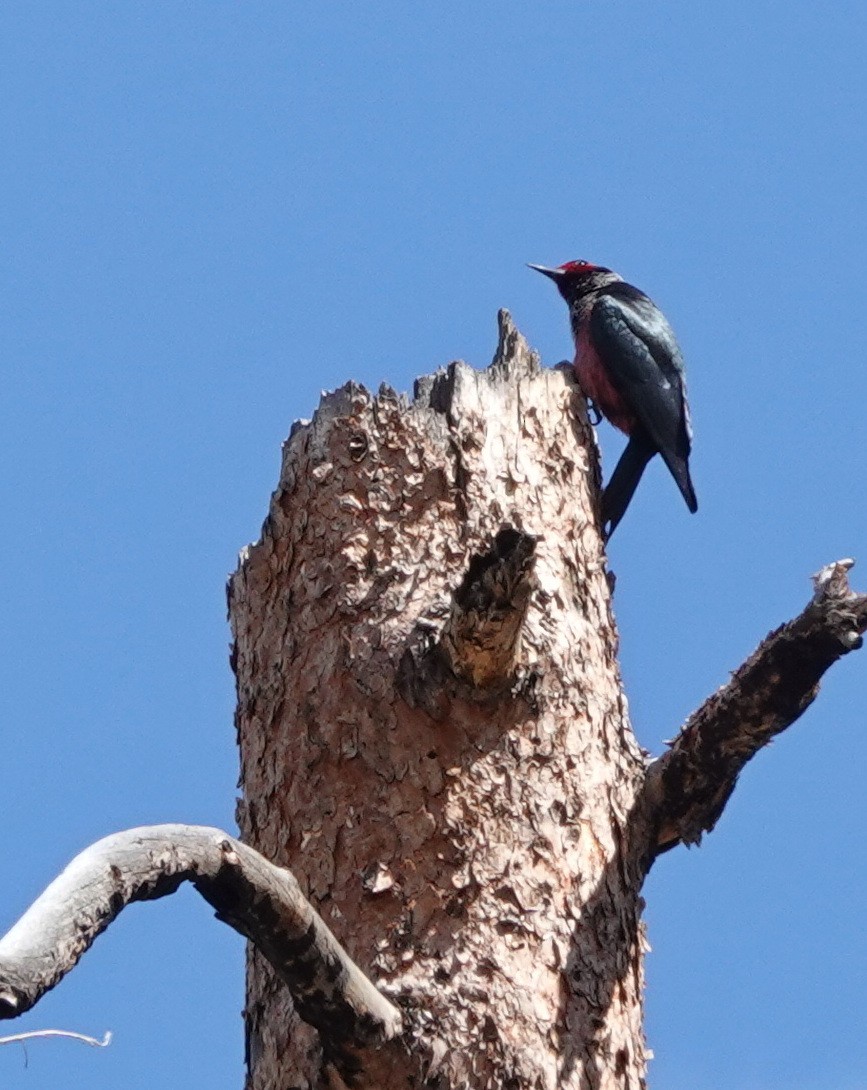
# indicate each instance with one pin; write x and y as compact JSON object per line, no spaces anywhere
{"x":628,"y":363}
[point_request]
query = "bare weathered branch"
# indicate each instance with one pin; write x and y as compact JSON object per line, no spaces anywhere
{"x":256,"y":898}
{"x":688,"y":787}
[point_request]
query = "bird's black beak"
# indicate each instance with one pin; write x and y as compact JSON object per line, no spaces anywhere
{"x":554,"y":274}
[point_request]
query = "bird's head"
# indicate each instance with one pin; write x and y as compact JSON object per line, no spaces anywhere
{"x":577,"y":278}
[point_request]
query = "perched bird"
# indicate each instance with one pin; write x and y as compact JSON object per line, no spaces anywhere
{"x":628,"y":363}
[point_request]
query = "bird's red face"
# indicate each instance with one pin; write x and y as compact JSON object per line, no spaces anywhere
{"x":577,"y":268}
{"x":576,"y":279}
{"x":571,"y":272}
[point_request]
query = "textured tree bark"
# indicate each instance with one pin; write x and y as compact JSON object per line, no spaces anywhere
{"x":433,"y":731}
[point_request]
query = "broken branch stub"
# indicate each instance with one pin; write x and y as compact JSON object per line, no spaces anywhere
{"x":476,"y":653}
{"x":481,"y":638}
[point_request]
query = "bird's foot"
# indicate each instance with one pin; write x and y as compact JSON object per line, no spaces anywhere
{"x":594,"y":414}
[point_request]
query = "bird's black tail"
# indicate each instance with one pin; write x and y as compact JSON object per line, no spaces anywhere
{"x":679,"y":468}
{"x":624,"y":481}
{"x":627,"y":473}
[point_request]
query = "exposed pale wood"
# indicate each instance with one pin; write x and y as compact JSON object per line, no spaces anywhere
{"x":258,"y":899}
{"x":689,"y":786}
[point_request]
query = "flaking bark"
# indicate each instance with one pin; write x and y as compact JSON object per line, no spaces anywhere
{"x":470,"y":844}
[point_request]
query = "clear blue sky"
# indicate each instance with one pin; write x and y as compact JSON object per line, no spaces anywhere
{"x":212,"y":210}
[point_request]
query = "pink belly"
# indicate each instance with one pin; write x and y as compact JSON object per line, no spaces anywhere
{"x":591,"y":374}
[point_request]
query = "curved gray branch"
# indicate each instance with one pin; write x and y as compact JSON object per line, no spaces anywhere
{"x":256,"y":898}
{"x":688,"y":787}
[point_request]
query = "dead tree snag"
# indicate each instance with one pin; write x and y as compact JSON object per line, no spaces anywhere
{"x":497,"y":821}
{"x":430,"y":714}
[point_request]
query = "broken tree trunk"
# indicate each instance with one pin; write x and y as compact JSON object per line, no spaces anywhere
{"x":433,"y":732}
{"x":434,"y":738}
